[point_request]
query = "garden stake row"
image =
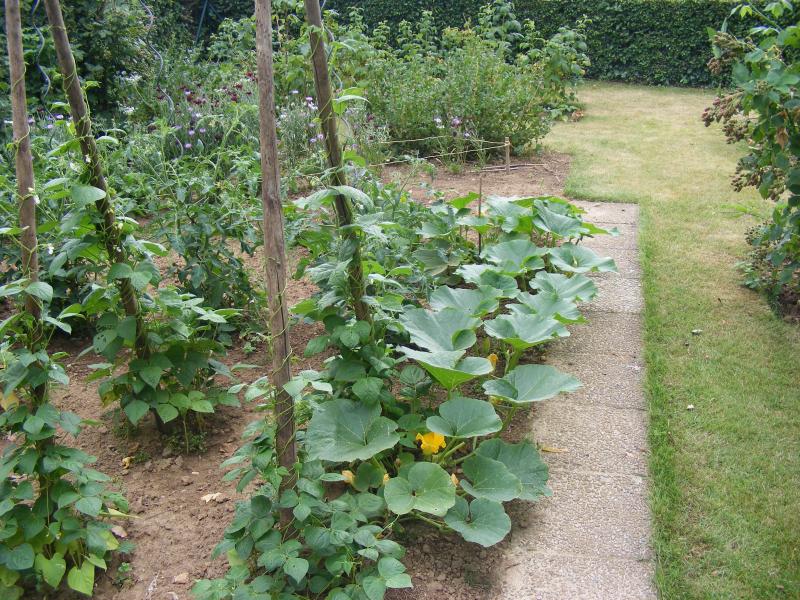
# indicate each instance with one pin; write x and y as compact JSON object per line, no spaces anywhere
{"x":322,"y":83}
{"x":83,"y":131}
{"x":275,"y":250}
{"x":24,"y":161}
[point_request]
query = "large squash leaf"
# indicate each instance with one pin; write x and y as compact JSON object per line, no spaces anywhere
{"x":525,"y":331}
{"x":531,"y":383}
{"x":580,"y":259}
{"x":516,"y":256}
{"x":464,"y":418}
{"x":427,"y":488}
{"x":444,"y":330}
{"x":477,"y":302}
{"x":577,"y":287}
{"x":489,"y":478}
{"x":523,"y":461}
{"x":449,"y":368}
{"x":547,"y":304}
{"x":482,"y":521}
{"x":343,"y":431}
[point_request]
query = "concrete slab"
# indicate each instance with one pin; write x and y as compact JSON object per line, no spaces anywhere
{"x":600,"y":242}
{"x":610,"y":382}
{"x":593,"y":438}
{"x":558,"y":577}
{"x":591,"y":514}
{"x":613,"y":333}
{"x":609,"y":212}
{"x":592,"y":538}
{"x":618,"y":294}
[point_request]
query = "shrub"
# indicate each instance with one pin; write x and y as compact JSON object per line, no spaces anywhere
{"x":661,"y":43}
{"x":763,"y":110}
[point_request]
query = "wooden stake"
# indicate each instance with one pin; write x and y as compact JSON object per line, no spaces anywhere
{"x":480,"y":211}
{"x":322,"y":83}
{"x":83,"y":130}
{"x":275,"y":248}
{"x":508,"y":156}
{"x":24,"y":161}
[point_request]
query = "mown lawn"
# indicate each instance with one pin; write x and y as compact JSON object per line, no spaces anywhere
{"x":725,"y":475}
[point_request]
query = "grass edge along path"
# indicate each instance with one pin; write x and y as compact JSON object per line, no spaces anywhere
{"x":724,"y":401}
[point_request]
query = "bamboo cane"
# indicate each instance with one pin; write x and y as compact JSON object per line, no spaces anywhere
{"x":275,"y":248}
{"x":23,"y":159}
{"x":83,"y":129}
{"x":344,"y":211}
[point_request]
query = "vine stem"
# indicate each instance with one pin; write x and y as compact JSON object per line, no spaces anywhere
{"x":450,"y":451}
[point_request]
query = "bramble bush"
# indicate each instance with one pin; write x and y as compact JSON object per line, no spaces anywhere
{"x":762,"y":109}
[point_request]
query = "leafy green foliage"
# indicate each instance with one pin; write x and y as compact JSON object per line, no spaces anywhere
{"x":763,"y":109}
{"x":615,"y":41}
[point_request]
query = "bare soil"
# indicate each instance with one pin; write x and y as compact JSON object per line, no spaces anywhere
{"x":175,"y":529}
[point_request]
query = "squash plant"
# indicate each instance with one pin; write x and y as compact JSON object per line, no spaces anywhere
{"x":408,"y":409}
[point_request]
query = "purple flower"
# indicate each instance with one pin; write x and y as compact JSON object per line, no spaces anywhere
{"x":49,"y":125}
{"x":187,"y":93}
{"x":178,"y":127}
{"x":191,"y":132}
{"x":295,"y":92}
{"x":30,"y":121}
{"x":202,"y":130}
{"x":309,"y":99}
{"x":187,"y":145}
{"x":59,"y":117}
{"x":455,"y":122}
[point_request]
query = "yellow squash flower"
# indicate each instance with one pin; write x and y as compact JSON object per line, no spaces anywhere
{"x":493,"y":359}
{"x":431,"y":443}
{"x":385,"y":477}
{"x":348,"y":476}
{"x":454,"y":479}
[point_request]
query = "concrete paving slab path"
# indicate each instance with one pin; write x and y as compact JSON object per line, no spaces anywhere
{"x":591,"y":540}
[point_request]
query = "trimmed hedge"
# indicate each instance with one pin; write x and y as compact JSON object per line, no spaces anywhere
{"x":660,"y":42}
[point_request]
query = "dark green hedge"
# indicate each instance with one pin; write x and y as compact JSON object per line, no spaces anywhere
{"x":661,"y":42}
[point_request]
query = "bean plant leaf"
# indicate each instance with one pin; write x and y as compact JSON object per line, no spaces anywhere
{"x":574,"y":258}
{"x":525,"y":331}
{"x":343,"y":431}
{"x":531,"y":383}
{"x":445,"y":330}
{"x":427,"y":488}
{"x":523,"y":461}
{"x":448,"y":368}
{"x":51,"y":569}
{"x":489,"y":478}
{"x":516,"y":256}
{"x":477,"y":302}
{"x":464,"y":417}
{"x":577,"y":287}
{"x":546,"y":304}
{"x":19,"y":558}
{"x":81,"y":579}
{"x":482,"y":521}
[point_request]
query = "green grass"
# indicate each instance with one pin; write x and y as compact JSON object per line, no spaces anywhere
{"x":726,"y":475}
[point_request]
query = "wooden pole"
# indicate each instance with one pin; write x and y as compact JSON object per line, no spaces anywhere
{"x":83,"y":130}
{"x":24,"y":161}
{"x":322,"y":83}
{"x":508,"y":156}
{"x":275,"y":248}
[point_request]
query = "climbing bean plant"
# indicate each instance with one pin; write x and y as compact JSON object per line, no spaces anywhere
{"x":409,"y":408}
